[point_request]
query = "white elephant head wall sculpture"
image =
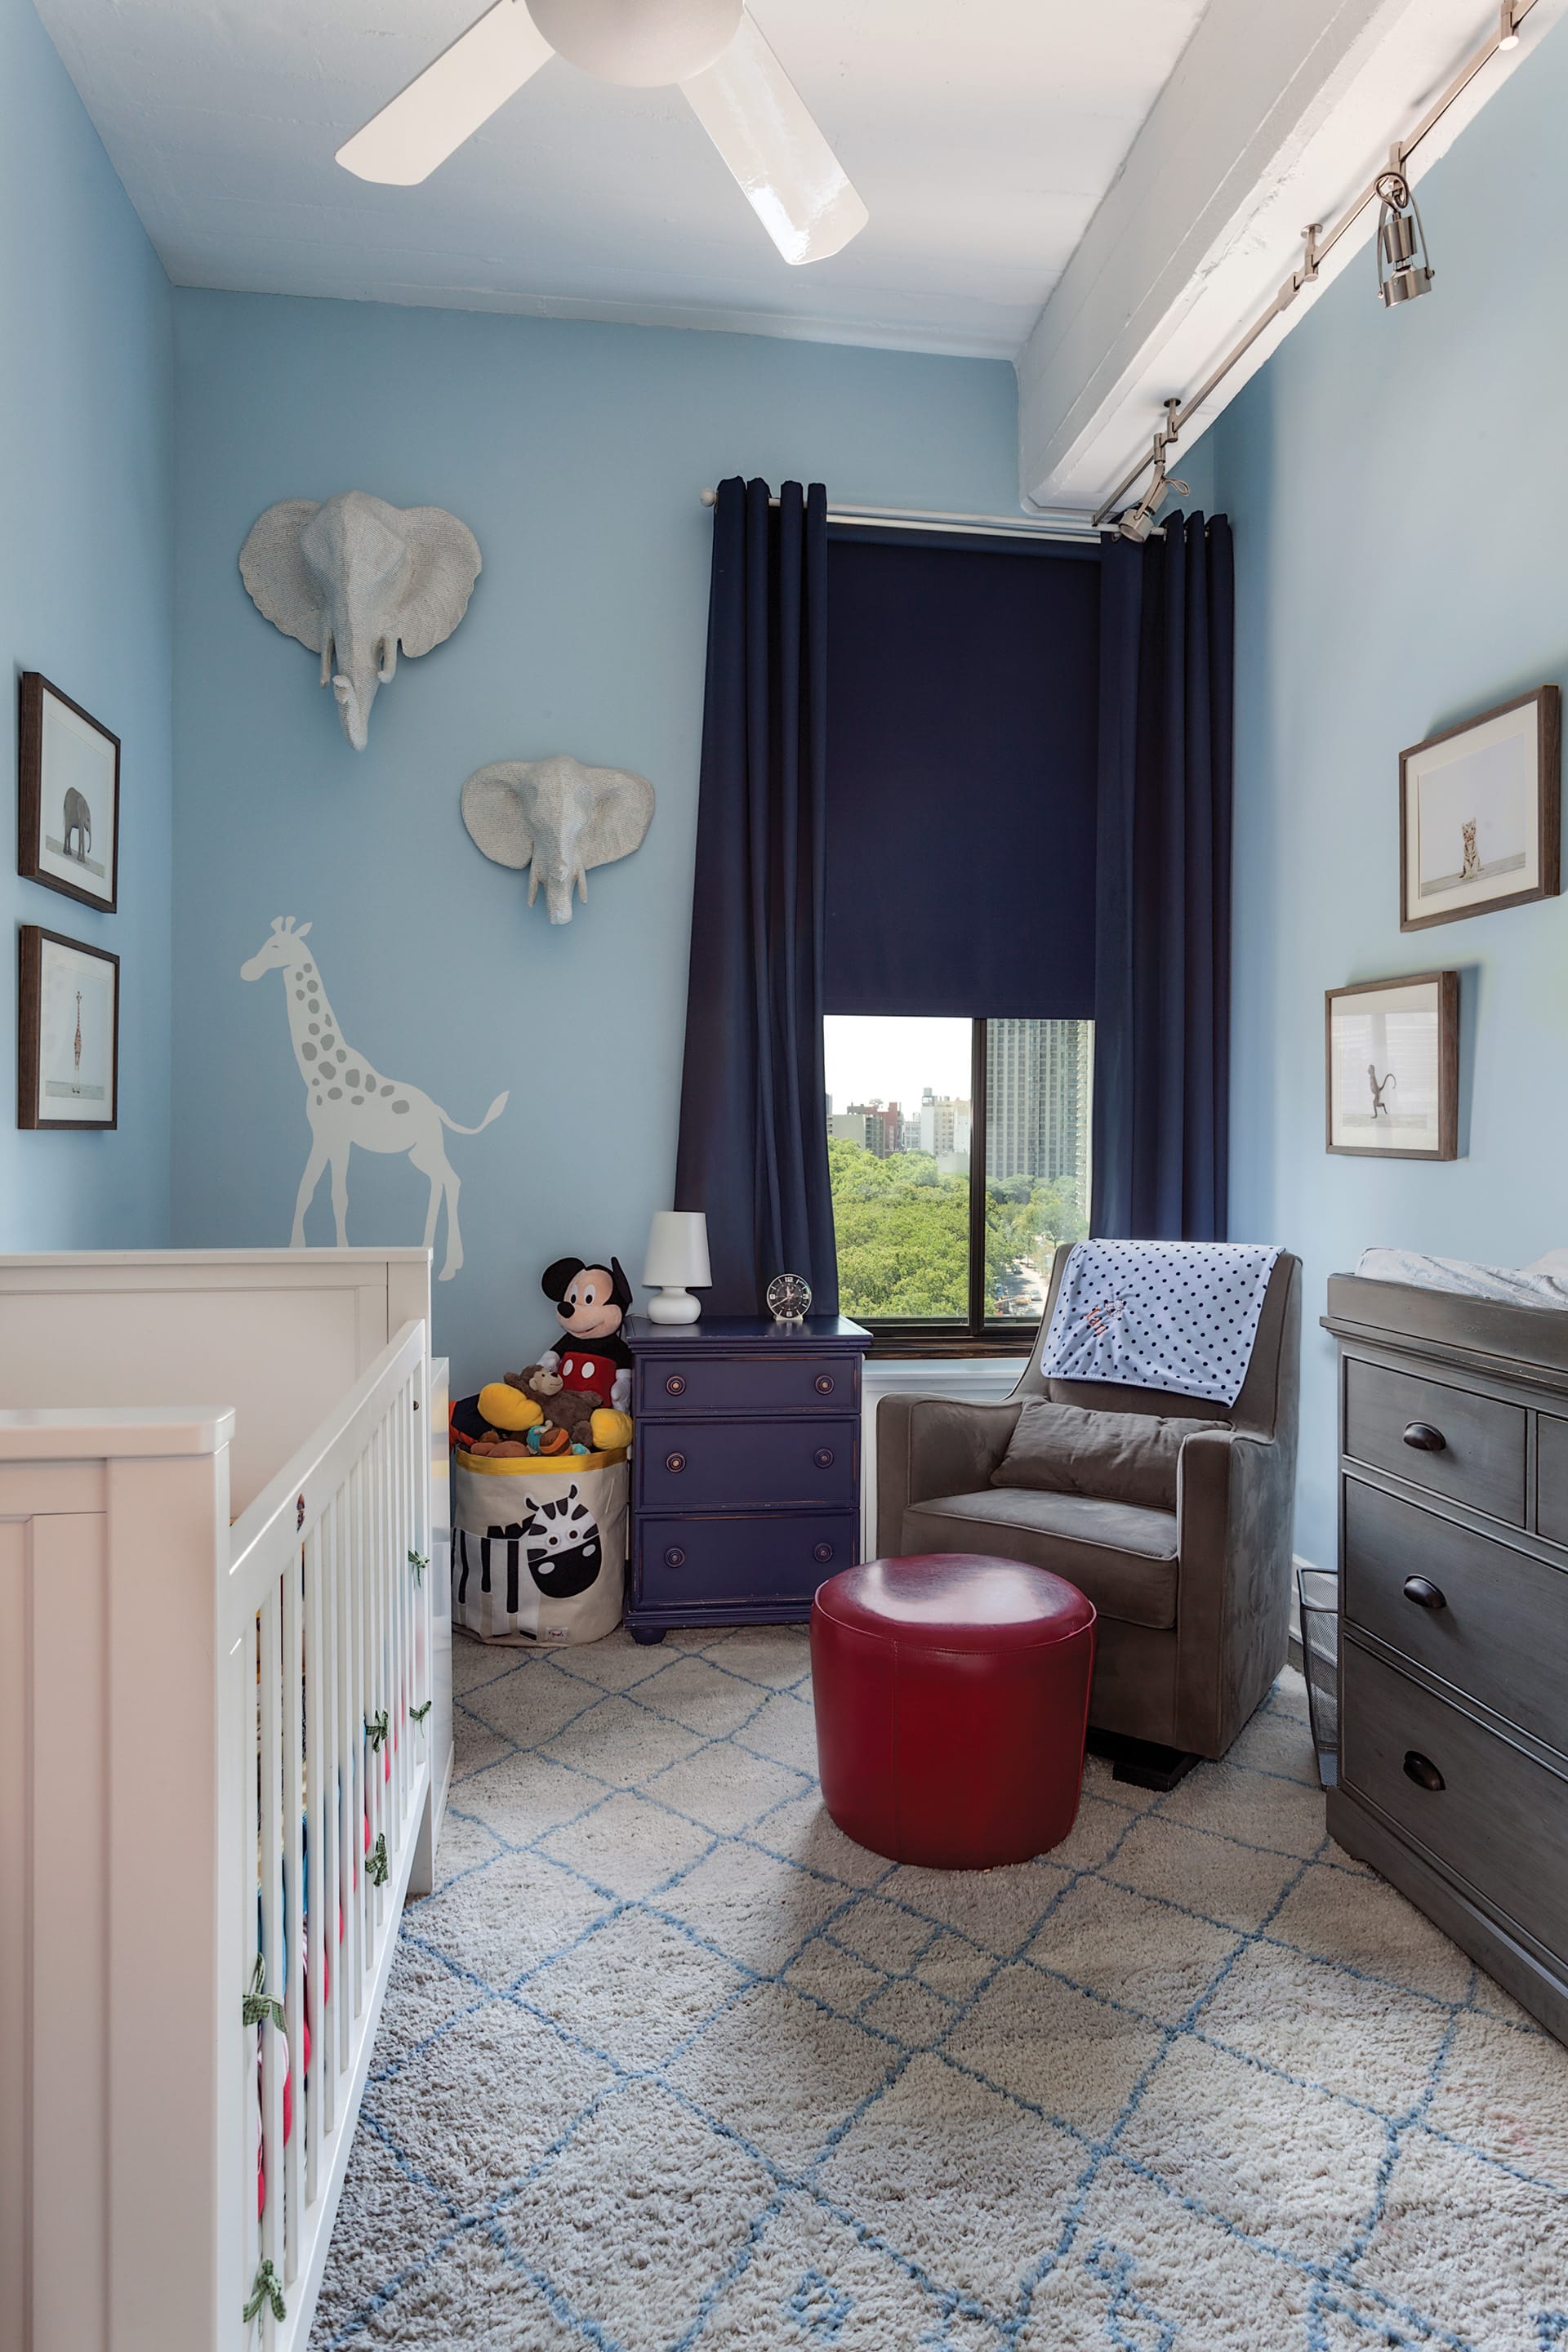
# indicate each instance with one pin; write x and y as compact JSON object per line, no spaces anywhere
{"x":558,"y":817}
{"x":355,"y":579}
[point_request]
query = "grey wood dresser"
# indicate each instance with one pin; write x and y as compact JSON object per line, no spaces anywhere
{"x":1453,"y":1777}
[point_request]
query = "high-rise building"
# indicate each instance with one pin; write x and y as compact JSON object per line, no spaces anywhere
{"x":1037,"y":1099}
{"x":884,"y":1125}
{"x":946,"y":1122}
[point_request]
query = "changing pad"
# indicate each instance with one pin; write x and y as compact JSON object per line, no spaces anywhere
{"x":1543,"y":1283}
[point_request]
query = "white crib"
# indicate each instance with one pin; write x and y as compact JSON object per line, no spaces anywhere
{"x":225,"y":1742}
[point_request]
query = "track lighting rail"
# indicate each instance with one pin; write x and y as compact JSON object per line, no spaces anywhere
{"x":1320,"y":243}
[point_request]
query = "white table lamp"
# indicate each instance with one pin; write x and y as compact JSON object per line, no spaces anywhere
{"x":677,"y":1255}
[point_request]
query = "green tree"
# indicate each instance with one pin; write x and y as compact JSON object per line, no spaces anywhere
{"x":903,"y":1236}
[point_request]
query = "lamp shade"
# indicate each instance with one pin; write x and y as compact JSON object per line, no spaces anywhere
{"x":678,"y":1248}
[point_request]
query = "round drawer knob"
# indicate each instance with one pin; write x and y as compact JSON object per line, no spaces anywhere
{"x":823,"y":1553}
{"x":1425,"y":1438}
{"x":675,"y":1385}
{"x":825,"y":1384}
{"x":1422,"y":1770}
{"x":675,"y":1463}
{"x":1425,"y":1594}
{"x":674,"y":1556}
{"x":822,"y":1457}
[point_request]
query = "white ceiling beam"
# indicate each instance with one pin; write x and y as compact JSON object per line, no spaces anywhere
{"x":1276,"y":116}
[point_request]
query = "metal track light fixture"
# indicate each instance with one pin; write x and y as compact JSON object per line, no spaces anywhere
{"x":1404,"y":263}
{"x":1138,"y":521}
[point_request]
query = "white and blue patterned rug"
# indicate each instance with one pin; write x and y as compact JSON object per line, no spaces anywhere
{"x":668,"y":2063}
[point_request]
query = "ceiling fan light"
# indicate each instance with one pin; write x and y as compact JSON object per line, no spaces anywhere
{"x":643,"y":43}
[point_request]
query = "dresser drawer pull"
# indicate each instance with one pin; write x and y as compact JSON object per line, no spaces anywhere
{"x":675,"y":1385}
{"x":674,"y":1556}
{"x":675,"y":1463}
{"x":825,"y":1384}
{"x":822,"y":1457}
{"x":1425,"y":1438}
{"x":823,"y":1553}
{"x":1425,"y":1594}
{"x":1422,"y":1770}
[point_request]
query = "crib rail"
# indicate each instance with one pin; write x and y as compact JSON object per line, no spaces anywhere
{"x":324,"y":1772}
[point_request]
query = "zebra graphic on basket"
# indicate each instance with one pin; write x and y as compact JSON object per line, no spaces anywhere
{"x":560,"y":1539}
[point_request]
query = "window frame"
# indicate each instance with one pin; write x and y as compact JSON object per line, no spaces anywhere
{"x":977,"y":1335}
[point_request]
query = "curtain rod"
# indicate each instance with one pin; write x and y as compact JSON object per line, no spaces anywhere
{"x":1510,"y":16}
{"x":1069,"y":525}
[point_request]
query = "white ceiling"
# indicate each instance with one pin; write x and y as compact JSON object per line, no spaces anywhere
{"x":982,"y":134}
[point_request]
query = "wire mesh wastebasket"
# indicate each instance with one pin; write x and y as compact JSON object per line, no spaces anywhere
{"x":1318,"y":1590}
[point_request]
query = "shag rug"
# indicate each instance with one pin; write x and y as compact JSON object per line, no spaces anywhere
{"x":667,"y":2061}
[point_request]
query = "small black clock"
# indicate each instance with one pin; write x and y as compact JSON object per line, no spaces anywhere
{"x":789,"y":1298}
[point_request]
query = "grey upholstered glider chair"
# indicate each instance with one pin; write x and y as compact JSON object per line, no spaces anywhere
{"x":1193,"y":1603}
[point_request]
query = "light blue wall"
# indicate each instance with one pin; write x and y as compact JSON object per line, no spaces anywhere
{"x":576,"y":453}
{"x":86,"y":395}
{"x":1397,"y":487}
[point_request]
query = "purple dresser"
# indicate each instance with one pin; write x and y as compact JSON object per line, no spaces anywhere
{"x":746,"y":1467}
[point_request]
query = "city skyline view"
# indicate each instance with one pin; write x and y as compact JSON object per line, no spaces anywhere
{"x":902,"y":1148}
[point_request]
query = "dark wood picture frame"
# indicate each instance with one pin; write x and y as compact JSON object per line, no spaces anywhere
{"x":1447,"y":987}
{"x":35,"y":687}
{"x":29,"y":1030}
{"x":1547,"y":701}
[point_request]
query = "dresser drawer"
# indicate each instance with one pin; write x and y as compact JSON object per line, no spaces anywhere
{"x":1467,"y":1447}
{"x":698,"y":1563}
{"x":1551,"y":1477}
{"x":1502,"y":1630}
{"x":1500,"y":1820}
{"x":726,"y":1466}
{"x":681,"y":1386}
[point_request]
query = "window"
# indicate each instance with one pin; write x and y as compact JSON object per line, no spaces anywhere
{"x":958,"y":1156}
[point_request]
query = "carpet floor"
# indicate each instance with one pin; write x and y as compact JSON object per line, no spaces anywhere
{"x":667,"y":2061}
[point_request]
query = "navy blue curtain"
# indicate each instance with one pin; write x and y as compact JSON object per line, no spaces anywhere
{"x":1162,"y":1046}
{"x":753,"y":1116}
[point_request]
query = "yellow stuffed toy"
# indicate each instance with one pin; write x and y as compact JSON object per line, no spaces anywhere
{"x":505,"y":1407}
{"x":610,"y":1430}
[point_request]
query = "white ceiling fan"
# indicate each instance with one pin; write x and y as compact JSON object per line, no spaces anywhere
{"x":712,"y":48}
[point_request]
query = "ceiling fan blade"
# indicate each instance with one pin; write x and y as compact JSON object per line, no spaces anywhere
{"x":446,"y":103}
{"x":757,"y":119}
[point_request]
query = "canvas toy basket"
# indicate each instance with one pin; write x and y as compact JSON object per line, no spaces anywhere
{"x":539,"y":1547}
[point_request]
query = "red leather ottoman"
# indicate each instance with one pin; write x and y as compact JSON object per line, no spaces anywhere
{"x":952,"y":1695}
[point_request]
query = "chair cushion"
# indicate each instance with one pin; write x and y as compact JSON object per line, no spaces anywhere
{"x":1123,"y":1457}
{"x":1123,"y":1558}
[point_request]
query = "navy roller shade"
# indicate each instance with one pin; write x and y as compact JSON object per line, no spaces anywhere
{"x":963,"y":693}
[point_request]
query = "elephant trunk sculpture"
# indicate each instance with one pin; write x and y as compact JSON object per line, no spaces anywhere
{"x":558,"y":818}
{"x":355,"y":579}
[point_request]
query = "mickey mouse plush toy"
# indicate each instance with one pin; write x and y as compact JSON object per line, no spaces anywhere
{"x":591,"y":1302}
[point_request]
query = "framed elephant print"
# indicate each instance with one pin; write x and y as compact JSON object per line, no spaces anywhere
{"x":69,"y":801}
{"x":68,"y":1041}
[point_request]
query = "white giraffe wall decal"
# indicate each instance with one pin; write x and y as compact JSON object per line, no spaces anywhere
{"x":349,"y":1100}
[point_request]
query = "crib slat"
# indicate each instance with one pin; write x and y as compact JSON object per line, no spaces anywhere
{"x":344,"y":1974}
{"x":327,"y":1908}
{"x":247,"y":1878}
{"x":402,"y":1546}
{"x":274,"y":2045}
{"x":398,"y":1573}
{"x":293,"y":1921}
{"x":318,"y":1883}
{"x":311,"y":1922}
{"x":375,"y":1586}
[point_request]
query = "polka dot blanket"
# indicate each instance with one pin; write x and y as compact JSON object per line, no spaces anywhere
{"x":1160,"y":1315}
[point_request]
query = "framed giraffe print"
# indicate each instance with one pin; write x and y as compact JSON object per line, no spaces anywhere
{"x":1480,"y":820}
{"x":68,"y":1057}
{"x":1394,"y":1067}
{"x":67,"y":802}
